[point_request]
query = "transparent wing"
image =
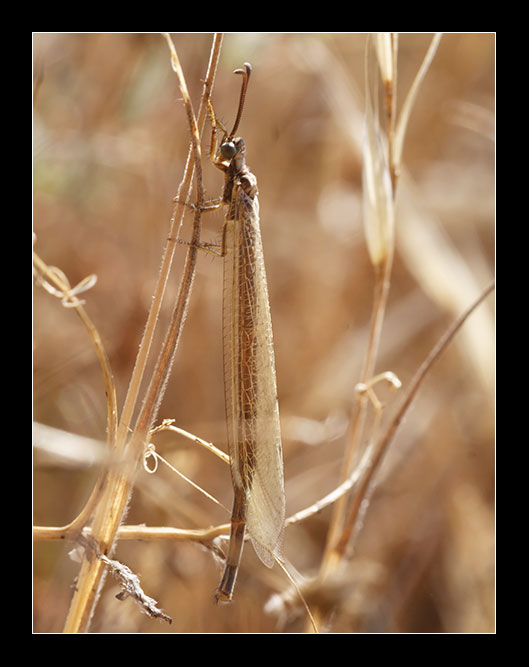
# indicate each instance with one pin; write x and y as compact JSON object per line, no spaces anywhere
{"x":254,"y":434}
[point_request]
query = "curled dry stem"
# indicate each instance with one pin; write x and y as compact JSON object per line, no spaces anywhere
{"x":56,"y":283}
{"x":374,"y":455}
{"x":360,"y":478}
{"x":167,"y":425}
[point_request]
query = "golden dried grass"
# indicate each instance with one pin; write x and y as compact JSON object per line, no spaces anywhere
{"x":110,"y":141}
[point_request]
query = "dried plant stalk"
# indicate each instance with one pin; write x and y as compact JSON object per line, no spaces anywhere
{"x":379,"y":231}
{"x":54,"y":281}
{"x":381,"y":167}
{"x":117,"y":485}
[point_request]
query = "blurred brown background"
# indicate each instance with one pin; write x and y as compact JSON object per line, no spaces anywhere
{"x":110,"y":142}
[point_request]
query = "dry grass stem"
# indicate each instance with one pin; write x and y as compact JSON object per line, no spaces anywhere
{"x":379,"y":215}
{"x":55,"y":282}
{"x":150,"y":452}
{"x":384,"y":51}
{"x":381,"y":167}
{"x":404,"y":117}
{"x":372,"y":255}
{"x":376,"y":454}
{"x":143,"y":533}
{"x":361,"y":479}
{"x":118,"y":485}
{"x":378,"y":194}
{"x":364,"y":473}
{"x":167,"y":425}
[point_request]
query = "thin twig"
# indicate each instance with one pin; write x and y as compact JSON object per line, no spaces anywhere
{"x":131,"y":532}
{"x":129,"y":582}
{"x":178,"y":213}
{"x":364,"y":471}
{"x":167,"y":425}
{"x":118,"y":484}
{"x":387,"y":53}
{"x":379,"y":221}
{"x":54,"y":281}
{"x":381,"y":447}
{"x":52,"y":277}
{"x":404,"y":116}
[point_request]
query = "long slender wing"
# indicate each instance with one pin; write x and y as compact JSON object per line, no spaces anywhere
{"x":254,"y":434}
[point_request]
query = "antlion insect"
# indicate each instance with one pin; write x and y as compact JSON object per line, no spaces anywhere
{"x":252,"y":413}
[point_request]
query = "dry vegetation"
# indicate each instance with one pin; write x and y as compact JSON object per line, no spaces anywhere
{"x":111,"y":139}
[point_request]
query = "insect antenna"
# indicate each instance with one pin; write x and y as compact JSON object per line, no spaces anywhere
{"x":245,"y":73}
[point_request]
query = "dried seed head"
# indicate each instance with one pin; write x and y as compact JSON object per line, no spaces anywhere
{"x":378,"y":194}
{"x":384,"y":51}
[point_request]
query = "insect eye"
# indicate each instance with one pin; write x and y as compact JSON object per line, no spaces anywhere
{"x":228,"y":150}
